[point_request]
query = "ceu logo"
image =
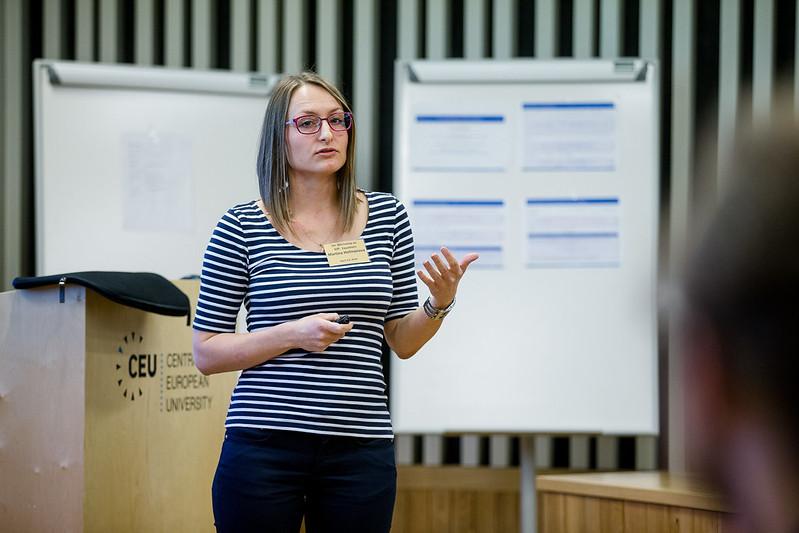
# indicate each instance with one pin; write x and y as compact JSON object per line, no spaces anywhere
{"x":135,"y":367}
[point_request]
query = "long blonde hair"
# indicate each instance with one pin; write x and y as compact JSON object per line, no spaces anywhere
{"x":273,"y":167}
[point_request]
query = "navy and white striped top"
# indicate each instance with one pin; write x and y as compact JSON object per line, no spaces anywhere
{"x":340,"y":391}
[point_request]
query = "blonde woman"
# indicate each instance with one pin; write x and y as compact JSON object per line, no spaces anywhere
{"x":308,"y":433}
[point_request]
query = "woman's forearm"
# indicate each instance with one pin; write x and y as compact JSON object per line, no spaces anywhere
{"x":226,"y":352}
{"x":408,"y":334}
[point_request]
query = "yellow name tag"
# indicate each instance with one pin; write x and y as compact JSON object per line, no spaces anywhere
{"x":346,"y":253}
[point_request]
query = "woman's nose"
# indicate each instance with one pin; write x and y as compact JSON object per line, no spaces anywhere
{"x":324,"y":131}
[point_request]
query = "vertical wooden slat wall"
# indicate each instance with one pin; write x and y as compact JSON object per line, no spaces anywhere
{"x":546,"y":29}
{"x":240,"y":36}
{"x":651,"y":23}
{"x":144,"y":25}
{"x":474,"y":38}
{"x":729,"y":76}
{"x":202,"y":36}
{"x":437,"y":31}
{"x":583,"y":29}
{"x":682,"y":160}
{"x":610,"y":27}
{"x":763,"y":62}
{"x":53,"y":24}
{"x":328,"y":39}
{"x":504,"y":28}
{"x":796,"y":65}
{"x":295,"y":15}
{"x":109,"y":31}
{"x":365,"y":70}
{"x":16,"y":170}
{"x":408,"y":34}
{"x":274,"y":36}
{"x":84,"y":29}
{"x":268,"y":24}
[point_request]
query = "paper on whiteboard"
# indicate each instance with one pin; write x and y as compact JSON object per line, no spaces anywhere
{"x":158,"y":191}
{"x":459,"y":143}
{"x":569,"y":136}
{"x":463,"y":226}
{"x":563,"y":233}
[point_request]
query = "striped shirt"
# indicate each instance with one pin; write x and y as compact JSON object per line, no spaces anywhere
{"x":340,"y":391}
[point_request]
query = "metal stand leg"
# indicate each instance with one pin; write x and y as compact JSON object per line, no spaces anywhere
{"x":527,"y":489}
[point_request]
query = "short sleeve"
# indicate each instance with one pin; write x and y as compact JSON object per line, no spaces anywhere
{"x":224,"y":278}
{"x":404,"y":298}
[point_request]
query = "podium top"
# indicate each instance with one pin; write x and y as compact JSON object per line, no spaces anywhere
{"x":142,"y":290}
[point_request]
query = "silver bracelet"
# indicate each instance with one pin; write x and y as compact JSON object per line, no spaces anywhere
{"x":434,"y":312}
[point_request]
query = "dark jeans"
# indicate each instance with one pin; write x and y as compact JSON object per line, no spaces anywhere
{"x":267,"y":480}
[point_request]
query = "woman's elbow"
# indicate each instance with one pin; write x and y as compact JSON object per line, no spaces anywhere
{"x":406,"y":353}
{"x":202,"y":361}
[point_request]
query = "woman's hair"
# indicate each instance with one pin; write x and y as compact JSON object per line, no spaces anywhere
{"x":273,"y":167}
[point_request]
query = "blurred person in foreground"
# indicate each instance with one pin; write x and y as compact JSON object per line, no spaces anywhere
{"x":742,"y":335}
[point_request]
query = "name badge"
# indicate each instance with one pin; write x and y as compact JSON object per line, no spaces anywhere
{"x":346,"y":253}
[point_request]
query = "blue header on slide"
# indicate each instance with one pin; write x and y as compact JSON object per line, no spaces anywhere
{"x":495,"y":203}
{"x":460,"y":118}
{"x":571,"y":201}
{"x":570,"y":105}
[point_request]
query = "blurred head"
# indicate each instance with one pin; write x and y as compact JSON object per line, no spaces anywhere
{"x":742,"y":318}
{"x":284,"y":149}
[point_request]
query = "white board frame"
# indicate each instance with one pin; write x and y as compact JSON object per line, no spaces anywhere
{"x":76,"y":229}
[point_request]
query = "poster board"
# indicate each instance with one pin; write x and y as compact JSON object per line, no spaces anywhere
{"x":549,"y":170}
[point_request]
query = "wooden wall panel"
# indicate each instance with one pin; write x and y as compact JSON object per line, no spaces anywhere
{"x":456,"y":500}
{"x":567,"y":513}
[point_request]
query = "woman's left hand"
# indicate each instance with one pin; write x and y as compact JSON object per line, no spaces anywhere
{"x":442,"y":277}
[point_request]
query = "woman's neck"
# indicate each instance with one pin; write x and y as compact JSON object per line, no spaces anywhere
{"x":312,"y":195}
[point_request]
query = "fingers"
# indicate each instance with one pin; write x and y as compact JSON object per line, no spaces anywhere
{"x":468,"y":260}
{"x":454,"y":266}
{"x":431,"y":270}
{"x":443,"y":269}
{"x":328,"y":316}
{"x":335,"y":328}
{"x":427,"y":280}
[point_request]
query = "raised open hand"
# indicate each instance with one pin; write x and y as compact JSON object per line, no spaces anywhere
{"x":443,"y":275}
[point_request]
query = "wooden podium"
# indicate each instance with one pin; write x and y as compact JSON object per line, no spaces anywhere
{"x":105,"y":423}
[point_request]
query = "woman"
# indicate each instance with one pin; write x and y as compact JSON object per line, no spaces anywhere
{"x":308,"y":430}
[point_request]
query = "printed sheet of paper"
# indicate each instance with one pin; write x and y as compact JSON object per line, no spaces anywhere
{"x":569,"y":136}
{"x":463,"y":226}
{"x":158,"y":191}
{"x":567,"y":233}
{"x":459,"y":143}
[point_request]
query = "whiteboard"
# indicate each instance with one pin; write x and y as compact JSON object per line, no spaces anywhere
{"x":549,"y":169}
{"x":135,"y":165}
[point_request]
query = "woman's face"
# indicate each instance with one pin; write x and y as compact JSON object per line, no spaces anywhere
{"x":322,"y":153}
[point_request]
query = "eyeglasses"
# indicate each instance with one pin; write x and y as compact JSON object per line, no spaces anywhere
{"x":310,"y":124}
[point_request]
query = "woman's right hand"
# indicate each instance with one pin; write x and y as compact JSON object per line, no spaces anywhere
{"x":315,"y":333}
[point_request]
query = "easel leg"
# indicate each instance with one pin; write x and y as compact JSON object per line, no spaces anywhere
{"x":527,"y":479}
